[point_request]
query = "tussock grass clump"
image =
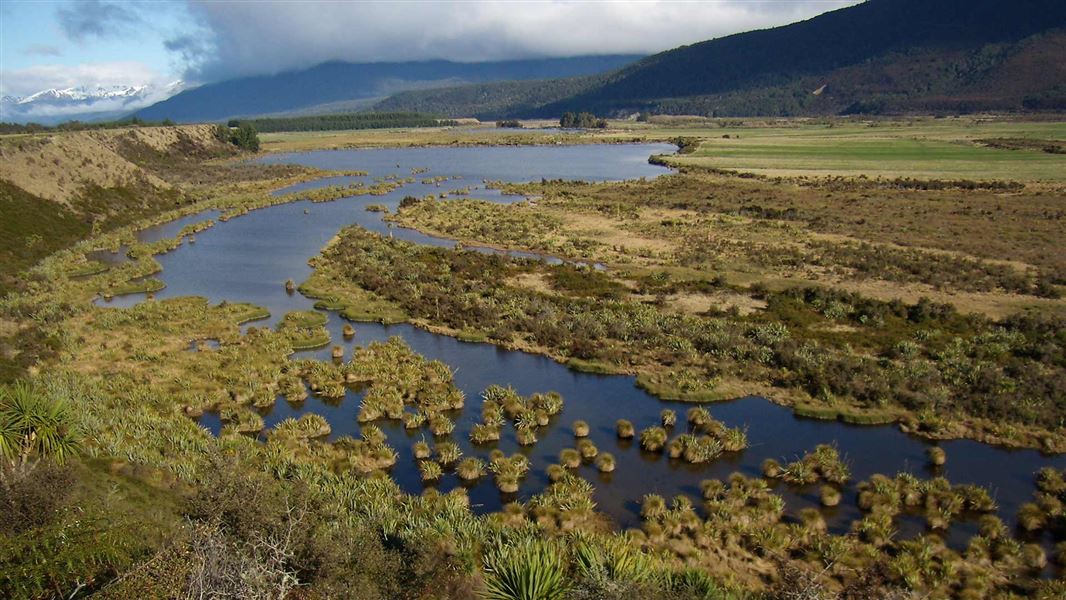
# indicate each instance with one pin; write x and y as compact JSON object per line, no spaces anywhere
{"x":625,"y":430}
{"x":308,"y":426}
{"x":587,"y":449}
{"x":482,"y":433}
{"x":240,"y":419}
{"x":653,"y":439}
{"x":555,"y":472}
{"x":824,"y":463}
{"x":605,"y":462}
{"x":526,"y":436}
{"x":941,"y":502}
{"x":937,"y":456}
{"x":698,"y":416}
{"x":440,"y":425}
{"x":430,"y":470}
{"x":509,"y":472}
{"x":422,"y":450}
{"x":771,"y":468}
{"x":413,"y":420}
{"x":652,"y":506}
{"x":396,"y":377}
{"x":448,"y":453}
{"x":668,"y":417}
{"x":581,"y":429}
{"x":470,"y":469}
{"x":570,"y":458}
{"x":829,"y":495}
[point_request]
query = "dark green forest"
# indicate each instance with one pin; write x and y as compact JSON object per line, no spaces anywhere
{"x":341,"y":122}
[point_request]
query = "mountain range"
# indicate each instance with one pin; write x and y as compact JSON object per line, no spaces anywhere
{"x":343,"y":86}
{"x":83,"y":102}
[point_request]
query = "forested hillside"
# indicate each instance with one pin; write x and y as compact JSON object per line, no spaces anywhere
{"x":344,"y":84}
{"x":881,"y":56}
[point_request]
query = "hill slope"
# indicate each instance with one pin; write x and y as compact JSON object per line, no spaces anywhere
{"x":341,"y":86}
{"x":879,"y":56}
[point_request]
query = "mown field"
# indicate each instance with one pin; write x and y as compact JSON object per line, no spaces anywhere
{"x":962,"y":149}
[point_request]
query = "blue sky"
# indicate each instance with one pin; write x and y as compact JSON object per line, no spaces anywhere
{"x":51,"y":43}
{"x":46,"y":44}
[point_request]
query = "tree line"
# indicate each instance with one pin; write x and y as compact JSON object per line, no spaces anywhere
{"x":6,"y":128}
{"x":346,"y":121}
{"x":583,"y":120}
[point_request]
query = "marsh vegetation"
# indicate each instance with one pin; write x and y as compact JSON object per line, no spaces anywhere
{"x":118,"y":490}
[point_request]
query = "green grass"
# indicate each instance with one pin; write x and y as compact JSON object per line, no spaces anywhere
{"x":923,"y":150}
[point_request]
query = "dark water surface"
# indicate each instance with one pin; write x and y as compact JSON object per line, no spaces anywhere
{"x":249,"y":258}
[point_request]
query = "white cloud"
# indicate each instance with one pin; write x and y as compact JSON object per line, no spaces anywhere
{"x":22,"y":82}
{"x":241,"y":38}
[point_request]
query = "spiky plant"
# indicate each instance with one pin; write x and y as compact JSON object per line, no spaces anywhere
{"x":526,"y":436}
{"x":496,"y":455}
{"x":581,"y":429}
{"x":373,"y":435}
{"x":625,"y":429}
{"x":430,"y":470}
{"x":652,"y":506}
{"x":605,"y":462}
{"x":614,"y":558}
{"x":734,"y":440}
{"x":551,"y":403}
{"x":528,"y":569}
{"x":482,"y":433}
{"x":526,"y":419}
{"x":34,"y":427}
{"x":422,"y":450}
{"x":697,"y":416}
{"x":570,"y":458}
{"x":702,"y":449}
{"x":448,"y":453}
{"x":652,"y":439}
{"x":413,"y":420}
{"x":441,"y":425}
{"x":668,"y":417}
{"x":470,"y":468}
{"x":712,"y":489}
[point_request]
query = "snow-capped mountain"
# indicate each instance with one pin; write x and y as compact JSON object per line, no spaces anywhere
{"x":83,"y":102}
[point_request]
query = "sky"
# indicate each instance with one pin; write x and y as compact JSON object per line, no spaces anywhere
{"x":65,"y":43}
